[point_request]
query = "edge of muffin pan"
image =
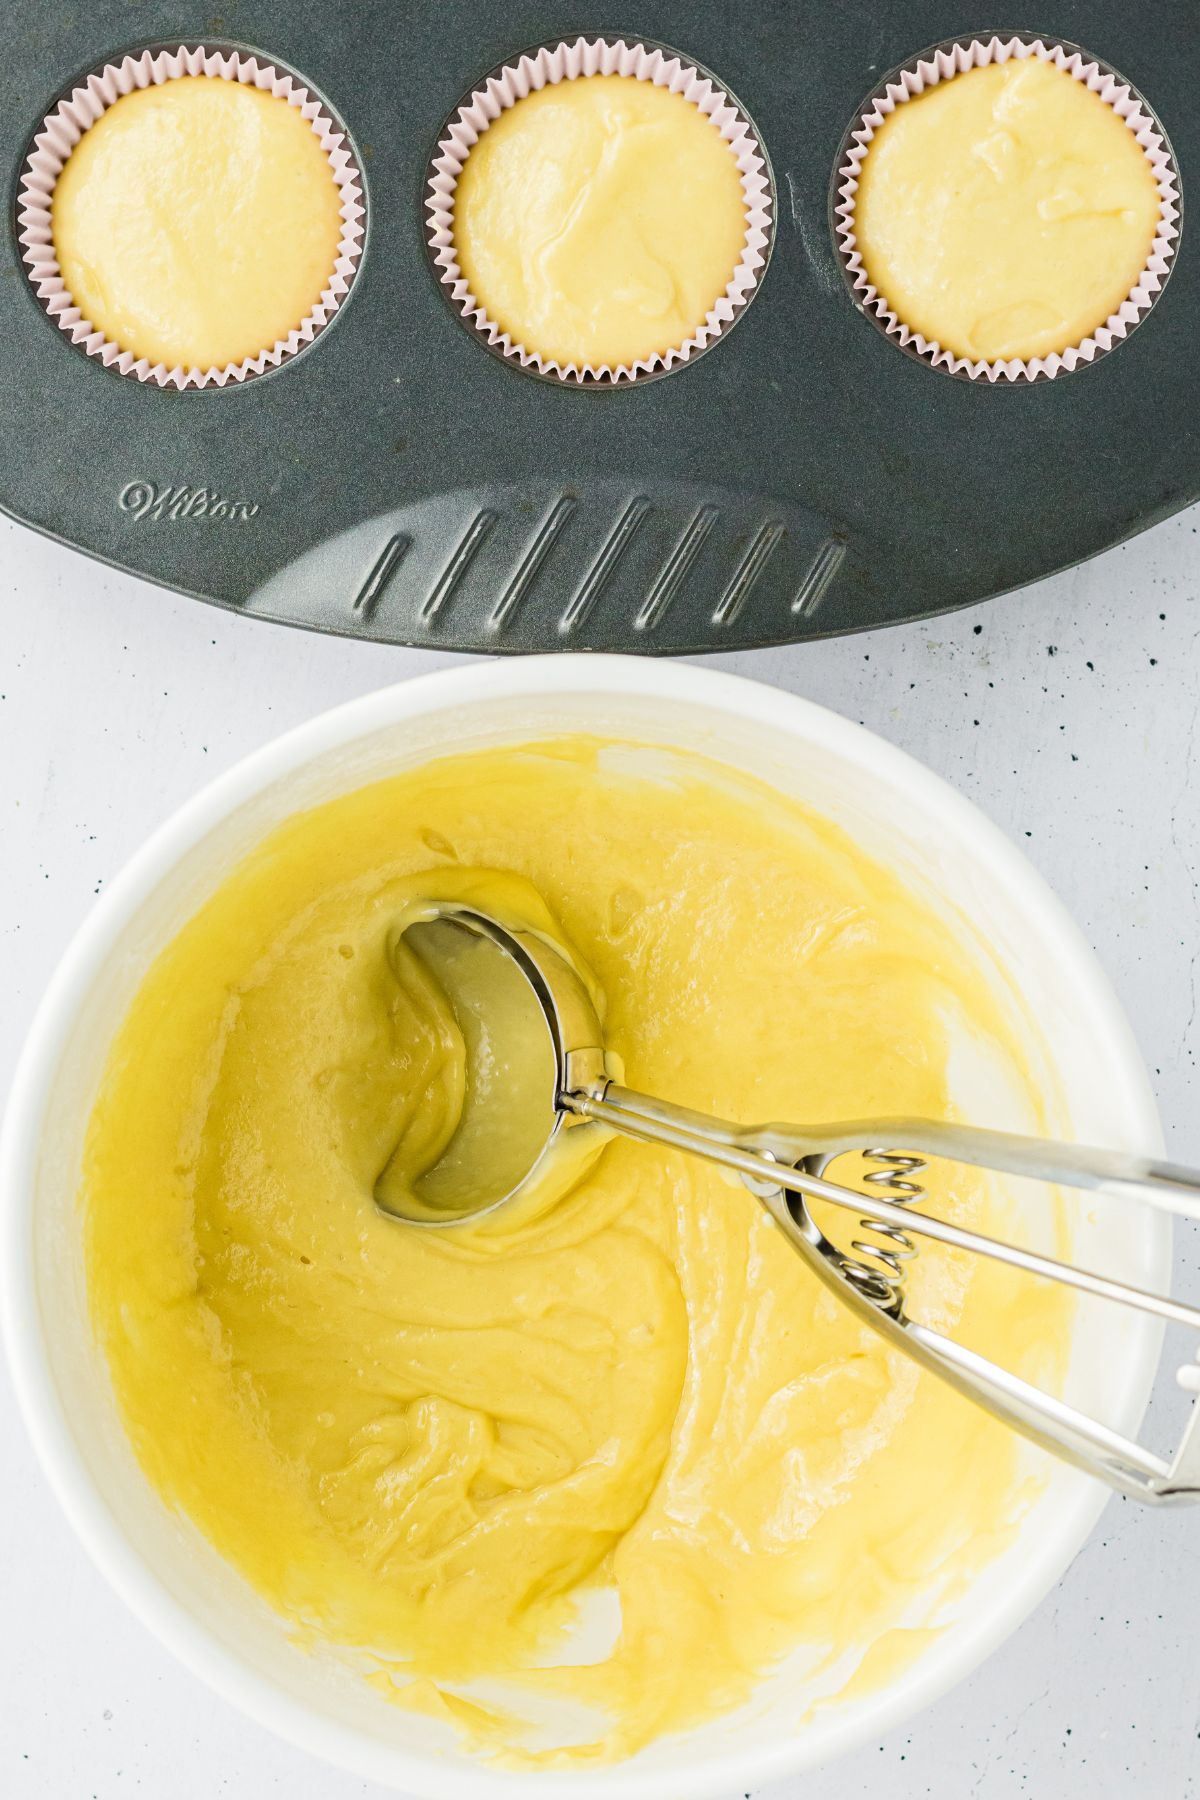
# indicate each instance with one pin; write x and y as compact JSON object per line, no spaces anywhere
{"x":564,"y":58}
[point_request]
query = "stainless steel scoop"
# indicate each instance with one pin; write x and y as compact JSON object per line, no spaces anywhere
{"x":551,"y":1070}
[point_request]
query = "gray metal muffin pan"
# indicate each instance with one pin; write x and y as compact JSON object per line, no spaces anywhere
{"x":397,"y":482}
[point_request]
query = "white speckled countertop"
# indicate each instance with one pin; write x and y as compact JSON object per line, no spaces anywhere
{"x":1070,"y":713}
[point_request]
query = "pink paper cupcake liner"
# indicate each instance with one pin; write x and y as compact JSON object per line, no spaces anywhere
{"x":567,"y":61}
{"x":62,"y":129}
{"x":942,"y":64}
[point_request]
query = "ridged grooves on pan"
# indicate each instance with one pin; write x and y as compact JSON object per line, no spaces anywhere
{"x":821,"y":571}
{"x":464,"y":555}
{"x":739,"y":551}
{"x":62,"y":129}
{"x":386,"y":564}
{"x":568,"y":61}
{"x":605,"y":565}
{"x":762,"y":548}
{"x":942,"y":64}
{"x":674,"y":571}
{"x":540,"y":545}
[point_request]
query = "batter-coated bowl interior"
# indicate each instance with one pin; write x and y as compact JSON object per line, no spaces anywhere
{"x":1077,"y":1042}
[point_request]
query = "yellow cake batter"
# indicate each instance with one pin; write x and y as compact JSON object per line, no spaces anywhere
{"x":599,"y":220}
{"x":197,"y":222}
{"x":1006,"y":212}
{"x":428,"y":1446}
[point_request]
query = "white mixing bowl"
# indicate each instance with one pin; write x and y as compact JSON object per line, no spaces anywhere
{"x":167,"y":1573}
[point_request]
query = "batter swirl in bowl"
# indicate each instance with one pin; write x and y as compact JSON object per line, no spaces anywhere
{"x":430,"y":1448}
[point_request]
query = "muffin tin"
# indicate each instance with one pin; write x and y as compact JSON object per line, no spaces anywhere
{"x":395,"y":481}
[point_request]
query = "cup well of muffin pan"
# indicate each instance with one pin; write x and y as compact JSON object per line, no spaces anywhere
{"x":393,"y":477}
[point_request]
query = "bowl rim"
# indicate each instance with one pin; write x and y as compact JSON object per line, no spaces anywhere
{"x":953,"y":1656}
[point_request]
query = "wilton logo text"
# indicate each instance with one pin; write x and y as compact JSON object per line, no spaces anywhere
{"x":142,"y":500}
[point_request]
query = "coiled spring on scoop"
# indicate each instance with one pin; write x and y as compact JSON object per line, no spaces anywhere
{"x":882,"y":1278}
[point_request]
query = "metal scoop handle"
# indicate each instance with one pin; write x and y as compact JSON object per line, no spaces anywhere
{"x":784,"y":1165}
